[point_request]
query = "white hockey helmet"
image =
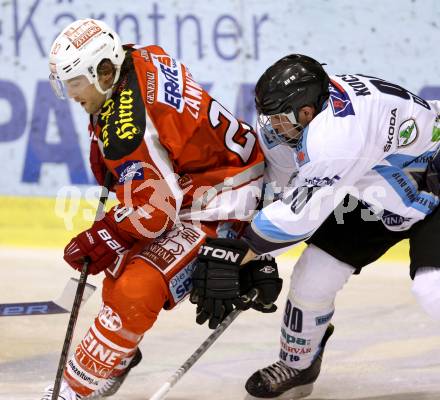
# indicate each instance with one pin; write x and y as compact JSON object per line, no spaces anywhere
{"x":77,"y":52}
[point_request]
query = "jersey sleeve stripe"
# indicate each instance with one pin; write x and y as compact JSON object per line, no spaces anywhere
{"x":160,"y":157}
{"x":406,"y":190}
{"x":266,"y":237}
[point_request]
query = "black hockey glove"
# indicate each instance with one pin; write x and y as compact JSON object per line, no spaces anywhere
{"x":216,"y":287}
{"x":431,"y":178}
{"x":262,"y":274}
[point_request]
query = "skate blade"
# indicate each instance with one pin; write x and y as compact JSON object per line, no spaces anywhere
{"x":298,"y":392}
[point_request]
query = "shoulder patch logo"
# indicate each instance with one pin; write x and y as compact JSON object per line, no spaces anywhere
{"x":340,"y":101}
{"x":408,"y":133}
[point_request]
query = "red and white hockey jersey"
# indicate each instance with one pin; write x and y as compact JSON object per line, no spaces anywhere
{"x":176,"y":152}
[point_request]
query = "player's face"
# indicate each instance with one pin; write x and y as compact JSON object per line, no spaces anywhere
{"x":85,"y":93}
{"x":282,"y":125}
{"x":285,"y":128}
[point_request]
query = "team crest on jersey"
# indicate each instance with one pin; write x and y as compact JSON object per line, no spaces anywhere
{"x":340,"y":101}
{"x":408,"y":132}
{"x":169,"y":81}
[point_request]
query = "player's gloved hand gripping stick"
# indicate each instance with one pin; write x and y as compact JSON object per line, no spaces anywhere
{"x":222,"y":276}
{"x":78,"y":297}
{"x":218,"y":281}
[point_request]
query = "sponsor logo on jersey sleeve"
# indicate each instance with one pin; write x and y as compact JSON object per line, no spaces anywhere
{"x":325,"y":181}
{"x":340,"y":101}
{"x":169,"y":81}
{"x":151,"y":87}
{"x":130,"y":171}
{"x":408,"y":133}
{"x":391,"y":130}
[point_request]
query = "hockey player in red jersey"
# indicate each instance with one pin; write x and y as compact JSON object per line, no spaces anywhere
{"x":183,"y":167}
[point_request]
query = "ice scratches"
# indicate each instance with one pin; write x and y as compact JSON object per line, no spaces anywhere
{"x":42,"y":367}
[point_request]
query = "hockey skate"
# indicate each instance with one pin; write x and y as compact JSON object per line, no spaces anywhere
{"x":282,"y":382}
{"x":66,"y":393}
{"x":112,"y":384}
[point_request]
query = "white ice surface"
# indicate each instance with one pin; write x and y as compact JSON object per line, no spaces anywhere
{"x":383,"y":348}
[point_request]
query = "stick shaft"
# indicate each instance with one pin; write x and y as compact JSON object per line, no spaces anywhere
{"x":165,"y":388}
{"x":70,"y":329}
{"x":78,"y":297}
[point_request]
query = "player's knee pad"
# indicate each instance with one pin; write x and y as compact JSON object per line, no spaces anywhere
{"x":426,"y":289}
{"x":317,"y":277}
{"x":137,"y":295}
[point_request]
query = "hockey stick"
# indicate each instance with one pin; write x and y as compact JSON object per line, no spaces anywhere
{"x":165,"y":388}
{"x":61,"y":305}
{"x":78,"y":297}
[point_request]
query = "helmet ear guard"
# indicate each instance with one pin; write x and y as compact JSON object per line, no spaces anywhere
{"x":79,"y":49}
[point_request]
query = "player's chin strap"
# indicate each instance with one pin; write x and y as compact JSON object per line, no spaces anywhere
{"x":165,"y":388}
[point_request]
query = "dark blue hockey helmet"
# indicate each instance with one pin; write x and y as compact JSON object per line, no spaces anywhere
{"x":285,"y":87}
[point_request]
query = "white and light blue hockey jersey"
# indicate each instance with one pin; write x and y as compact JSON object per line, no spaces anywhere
{"x":373,"y":140}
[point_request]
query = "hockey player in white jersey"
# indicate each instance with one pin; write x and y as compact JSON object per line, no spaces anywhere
{"x":356,"y":145}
